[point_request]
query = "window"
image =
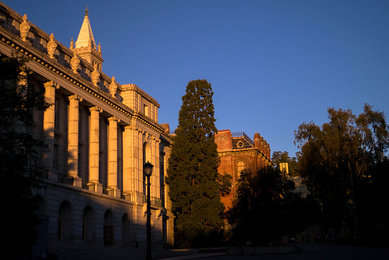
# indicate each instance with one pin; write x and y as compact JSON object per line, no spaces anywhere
{"x":56,"y":114}
{"x":108,"y":228}
{"x":240,"y":167}
{"x":125,"y":229}
{"x":64,"y":222}
{"x":56,"y":157}
{"x":146,"y":110}
{"x":88,"y":229}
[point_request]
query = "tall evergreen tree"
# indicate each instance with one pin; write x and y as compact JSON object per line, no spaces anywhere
{"x":192,"y":175}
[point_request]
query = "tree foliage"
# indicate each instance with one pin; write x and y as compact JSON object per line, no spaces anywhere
{"x":194,"y":183}
{"x":283,"y":157}
{"x":340,"y":159}
{"x":18,"y":153}
{"x":267,"y":207}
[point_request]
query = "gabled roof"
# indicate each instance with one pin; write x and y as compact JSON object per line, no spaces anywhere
{"x":86,"y":35}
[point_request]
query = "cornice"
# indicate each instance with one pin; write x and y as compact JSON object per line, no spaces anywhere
{"x":141,"y":118}
{"x":134,"y":87}
{"x":244,"y":150}
{"x":22,"y":48}
{"x":36,"y":56}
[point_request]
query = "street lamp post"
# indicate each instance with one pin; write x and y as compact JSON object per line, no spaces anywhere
{"x":148,"y":170}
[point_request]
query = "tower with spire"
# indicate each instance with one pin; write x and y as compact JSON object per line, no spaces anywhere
{"x":86,"y":46}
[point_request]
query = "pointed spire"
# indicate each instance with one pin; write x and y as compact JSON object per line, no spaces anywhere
{"x":85,"y":37}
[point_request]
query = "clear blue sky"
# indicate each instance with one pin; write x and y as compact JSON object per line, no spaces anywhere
{"x":272,"y":64}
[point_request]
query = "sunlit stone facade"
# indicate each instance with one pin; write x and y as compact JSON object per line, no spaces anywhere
{"x":238,"y":152}
{"x":98,"y":135}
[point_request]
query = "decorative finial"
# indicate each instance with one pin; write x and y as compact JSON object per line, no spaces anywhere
{"x":95,"y":75}
{"x":24,"y":28}
{"x":86,"y":11}
{"x":99,"y":48}
{"x":72,"y":44}
{"x":51,"y":46}
{"x":113,"y":87}
{"x":75,"y":63}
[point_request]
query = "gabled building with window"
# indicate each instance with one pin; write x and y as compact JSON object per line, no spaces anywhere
{"x":238,"y":152}
{"x":98,"y":135}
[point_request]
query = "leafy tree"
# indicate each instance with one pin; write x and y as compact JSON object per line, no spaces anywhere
{"x":225,"y":182}
{"x":283,"y":157}
{"x":338,"y":159}
{"x":194,"y":183}
{"x":18,"y":153}
{"x":267,"y":207}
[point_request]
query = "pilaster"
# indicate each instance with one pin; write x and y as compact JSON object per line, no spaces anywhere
{"x":73,"y":133}
{"x":94,"y":137}
{"x":113,"y":157}
{"x":131,"y":163}
{"x":48,"y":129}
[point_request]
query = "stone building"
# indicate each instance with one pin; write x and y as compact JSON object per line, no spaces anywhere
{"x":98,"y":135}
{"x":237,"y":152}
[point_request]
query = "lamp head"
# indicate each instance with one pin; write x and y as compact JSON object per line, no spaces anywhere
{"x":148,"y":169}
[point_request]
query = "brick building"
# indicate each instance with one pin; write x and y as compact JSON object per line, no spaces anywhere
{"x":239,"y":152}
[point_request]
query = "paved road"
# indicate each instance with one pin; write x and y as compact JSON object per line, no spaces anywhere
{"x":320,"y":252}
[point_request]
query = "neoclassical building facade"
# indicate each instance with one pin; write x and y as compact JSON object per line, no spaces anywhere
{"x":98,"y":134}
{"x":239,"y":152}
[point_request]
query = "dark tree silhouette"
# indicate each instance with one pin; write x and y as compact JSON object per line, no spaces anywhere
{"x":18,"y":153}
{"x":342,"y":163}
{"x":267,"y":208}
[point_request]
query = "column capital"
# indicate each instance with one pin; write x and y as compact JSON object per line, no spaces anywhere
{"x":75,"y":97}
{"x":113,"y":118}
{"x":51,"y":84}
{"x":96,"y":108}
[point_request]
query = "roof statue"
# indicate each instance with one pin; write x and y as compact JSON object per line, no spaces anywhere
{"x":85,"y":37}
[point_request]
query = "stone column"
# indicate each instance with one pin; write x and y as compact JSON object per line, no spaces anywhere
{"x":94,"y":149}
{"x":126,"y":162}
{"x":130,"y":163}
{"x":113,"y":157}
{"x":73,"y":133}
{"x":156,"y":173}
{"x":48,"y":129}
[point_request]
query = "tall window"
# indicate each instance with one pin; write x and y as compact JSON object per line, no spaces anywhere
{"x":125,"y":229}
{"x":56,"y":157}
{"x":64,"y":222}
{"x":146,"y":110}
{"x":56,"y":114}
{"x":88,"y":226}
{"x":108,"y":228}
{"x":240,"y":167}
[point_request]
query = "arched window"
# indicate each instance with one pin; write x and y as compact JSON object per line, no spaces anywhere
{"x":125,"y":229}
{"x":108,"y":228}
{"x":240,"y":167}
{"x":88,"y":225}
{"x":64,"y":222}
